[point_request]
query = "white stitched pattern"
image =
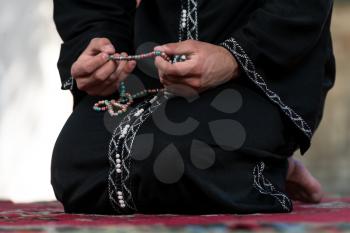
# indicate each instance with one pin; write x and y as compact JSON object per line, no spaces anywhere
{"x":264,"y":186}
{"x":113,"y":177}
{"x":190,"y":31}
{"x":69,"y":84}
{"x":249,"y":68}
{"x":192,"y":26}
{"x":121,"y":148}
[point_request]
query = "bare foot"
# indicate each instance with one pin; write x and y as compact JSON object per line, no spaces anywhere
{"x":301,"y":185}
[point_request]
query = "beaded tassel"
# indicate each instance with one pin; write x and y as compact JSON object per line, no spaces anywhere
{"x":121,"y":105}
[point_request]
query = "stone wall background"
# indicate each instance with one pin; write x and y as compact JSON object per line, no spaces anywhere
{"x":33,"y":109}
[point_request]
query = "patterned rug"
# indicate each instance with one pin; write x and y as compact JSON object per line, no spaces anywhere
{"x":332,"y":215}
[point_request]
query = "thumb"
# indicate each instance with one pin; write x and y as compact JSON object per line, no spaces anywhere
{"x":176,"y":48}
{"x":98,"y":45}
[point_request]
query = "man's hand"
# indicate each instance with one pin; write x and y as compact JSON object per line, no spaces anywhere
{"x":95,"y":74}
{"x":207,"y":66}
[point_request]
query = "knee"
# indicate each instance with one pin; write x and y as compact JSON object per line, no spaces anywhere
{"x":80,"y":187}
{"x":81,"y":195}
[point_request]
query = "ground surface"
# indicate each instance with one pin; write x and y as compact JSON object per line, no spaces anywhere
{"x":33,"y":109}
{"x":332,"y":215}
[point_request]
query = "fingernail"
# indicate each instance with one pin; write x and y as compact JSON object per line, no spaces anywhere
{"x":105,"y":56}
{"x":109,"y":48}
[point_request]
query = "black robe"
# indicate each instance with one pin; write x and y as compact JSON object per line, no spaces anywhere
{"x":284,"y":47}
{"x":285,"y":54}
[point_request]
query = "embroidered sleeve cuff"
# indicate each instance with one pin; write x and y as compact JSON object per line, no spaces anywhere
{"x":251,"y":72}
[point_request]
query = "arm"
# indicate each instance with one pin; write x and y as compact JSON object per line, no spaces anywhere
{"x":276,"y":41}
{"x":280,"y":33}
{"x":79,"y":21}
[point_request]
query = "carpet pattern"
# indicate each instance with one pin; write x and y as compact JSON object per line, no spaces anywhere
{"x":332,"y":215}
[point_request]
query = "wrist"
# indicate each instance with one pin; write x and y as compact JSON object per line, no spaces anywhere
{"x":232,"y":63}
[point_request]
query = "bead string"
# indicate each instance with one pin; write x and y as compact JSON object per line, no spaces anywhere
{"x":116,"y":107}
{"x":153,"y":54}
{"x":121,"y":105}
{"x":156,"y":53}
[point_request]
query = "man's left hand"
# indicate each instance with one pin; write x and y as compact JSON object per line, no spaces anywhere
{"x":207,"y":65}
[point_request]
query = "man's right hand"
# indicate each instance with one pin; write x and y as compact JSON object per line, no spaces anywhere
{"x":95,"y":74}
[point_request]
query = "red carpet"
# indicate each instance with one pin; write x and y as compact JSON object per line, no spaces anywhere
{"x":332,"y":215}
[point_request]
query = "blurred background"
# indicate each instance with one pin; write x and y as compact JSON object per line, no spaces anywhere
{"x":33,"y":109}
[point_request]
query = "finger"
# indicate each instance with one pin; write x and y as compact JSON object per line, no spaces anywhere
{"x":90,"y":83}
{"x":126,"y":71}
{"x":98,"y":45}
{"x":109,"y":49}
{"x":84,"y":67}
{"x":164,"y":67}
{"x":122,"y":72}
{"x":103,"y":89}
{"x":187,"y":87}
{"x":104,"y":72}
{"x":178,"y":79}
{"x":161,"y":76}
{"x":189,"y":80}
{"x":130,"y":66}
{"x":185,"y":47}
{"x":179,"y":89}
{"x":121,"y":66}
{"x":176,"y":69}
{"x":165,"y":83}
{"x":87,"y":83}
{"x":114,"y":76}
{"x":98,"y":78}
{"x":194,"y":83}
{"x":125,"y":68}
